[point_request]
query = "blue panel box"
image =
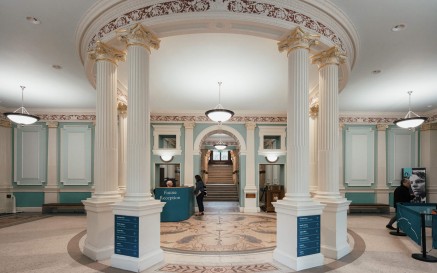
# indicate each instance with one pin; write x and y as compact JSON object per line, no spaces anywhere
{"x":126,"y":235}
{"x":308,"y":235}
{"x":179,"y":203}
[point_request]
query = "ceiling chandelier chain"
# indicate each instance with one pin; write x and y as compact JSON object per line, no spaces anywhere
{"x":409,"y":121}
{"x":21,"y":116}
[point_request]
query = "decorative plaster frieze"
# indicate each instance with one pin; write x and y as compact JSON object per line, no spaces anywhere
{"x":272,"y":9}
{"x":298,"y":39}
{"x":428,"y":126}
{"x":140,"y":36}
{"x":67,"y":117}
{"x":102,"y":52}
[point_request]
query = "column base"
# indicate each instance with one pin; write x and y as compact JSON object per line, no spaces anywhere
{"x":250,"y":197}
{"x":99,"y":243}
{"x":334,"y":228}
{"x":149,"y":249}
{"x":51,"y":194}
{"x":298,"y":263}
{"x":288,"y":215}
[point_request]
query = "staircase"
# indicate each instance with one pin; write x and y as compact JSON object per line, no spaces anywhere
{"x":220,"y":174}
{"x":221,"y":192}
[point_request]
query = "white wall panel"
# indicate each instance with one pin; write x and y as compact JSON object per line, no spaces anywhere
{"x":75,"y":153}
{"x":30,"y":152}
{"x":402,"y":152}
{"x":360,"y":156}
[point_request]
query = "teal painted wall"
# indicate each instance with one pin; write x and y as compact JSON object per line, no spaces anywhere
{"x":29,"y":199}
{"x":361,"y":197}
{"x":73,"y":197}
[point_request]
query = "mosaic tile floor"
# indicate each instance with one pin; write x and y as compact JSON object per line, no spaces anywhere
{"x":220,"y":234}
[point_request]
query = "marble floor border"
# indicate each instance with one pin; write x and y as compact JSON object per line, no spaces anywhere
{"x":76,"y":254}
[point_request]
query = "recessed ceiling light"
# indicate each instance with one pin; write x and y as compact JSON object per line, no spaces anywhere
{"x":377,"y":71}
{"x":33,"y":20}
{"x":398,"y":27}
{"x":57,"y":66}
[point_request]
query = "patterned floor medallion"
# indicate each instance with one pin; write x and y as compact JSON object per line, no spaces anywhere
{"x":265,"y":267}
{"x":220,"y":234}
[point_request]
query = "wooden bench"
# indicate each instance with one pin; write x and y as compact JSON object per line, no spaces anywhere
{"x":369,"y":208}
{"x":63,"y":208}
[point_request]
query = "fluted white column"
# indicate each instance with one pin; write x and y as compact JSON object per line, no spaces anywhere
{"x":297,"y":202}
{"x":269,"y":174}
{"x":138,"y":203}
{"x":106,"y":132}
{"x":314,"y":111}
{"x":189,"y":175}
{"x":250,"y":189}
{"x":122,"y":146}
{"x":334,"y":220}
{"x":51,"y":190}
{"x":99,"y":243}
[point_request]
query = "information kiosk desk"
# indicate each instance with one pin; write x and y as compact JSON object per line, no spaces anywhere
{"x":179,"y":203}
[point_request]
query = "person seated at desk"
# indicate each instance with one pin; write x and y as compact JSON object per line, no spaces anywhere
{"x":169,"y":183}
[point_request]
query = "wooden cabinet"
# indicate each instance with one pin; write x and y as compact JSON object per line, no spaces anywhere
{"x":272,"y":193}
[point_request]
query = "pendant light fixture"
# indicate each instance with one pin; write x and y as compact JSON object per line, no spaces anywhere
{"x":411,"y":120}
{"x":21,"y":116}
{"x":220,"y":145}
{"x":219,"y":114}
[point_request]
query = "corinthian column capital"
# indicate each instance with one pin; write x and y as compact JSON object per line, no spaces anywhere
{"x":250,"y":125}
{"x":314,"y":111}
{"x":298,"y":39}
{"x":122,"y":109}
{"x":139,"y":35}
{"x":103,"y":52}
{"x":331,"y":56}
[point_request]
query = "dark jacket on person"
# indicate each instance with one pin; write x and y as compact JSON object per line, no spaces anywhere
{"x":402,"y":195}
{"x":200,"y":187}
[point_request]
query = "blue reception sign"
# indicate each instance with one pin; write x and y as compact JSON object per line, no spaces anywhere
{"x":126,"y":235}
{"x":308,"y":235}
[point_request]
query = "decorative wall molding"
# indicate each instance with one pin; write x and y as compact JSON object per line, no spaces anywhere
{"x":360,"y":156}
{"x":75,"y":154}
{"x":30,"y":155}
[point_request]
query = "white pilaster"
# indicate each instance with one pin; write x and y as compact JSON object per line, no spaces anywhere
{"x":382,"y":191}
{"x":189,"y":148}
{"x":51,"y":190}
{"x":250,"y":189}
{"x":99,"y":243}
{"x":5,"y":157}
{"x":297,"y":203}
{"x":122,"y":146}
{"x":334,"y":220}
{"x":138,"y":202}
{"x":428,"y":160}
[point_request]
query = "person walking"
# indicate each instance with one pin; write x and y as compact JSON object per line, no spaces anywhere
{"x":199,"y":191}
{"x":401,"y":195}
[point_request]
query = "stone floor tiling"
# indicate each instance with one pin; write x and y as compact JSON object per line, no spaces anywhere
{"x":264,"y":267}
